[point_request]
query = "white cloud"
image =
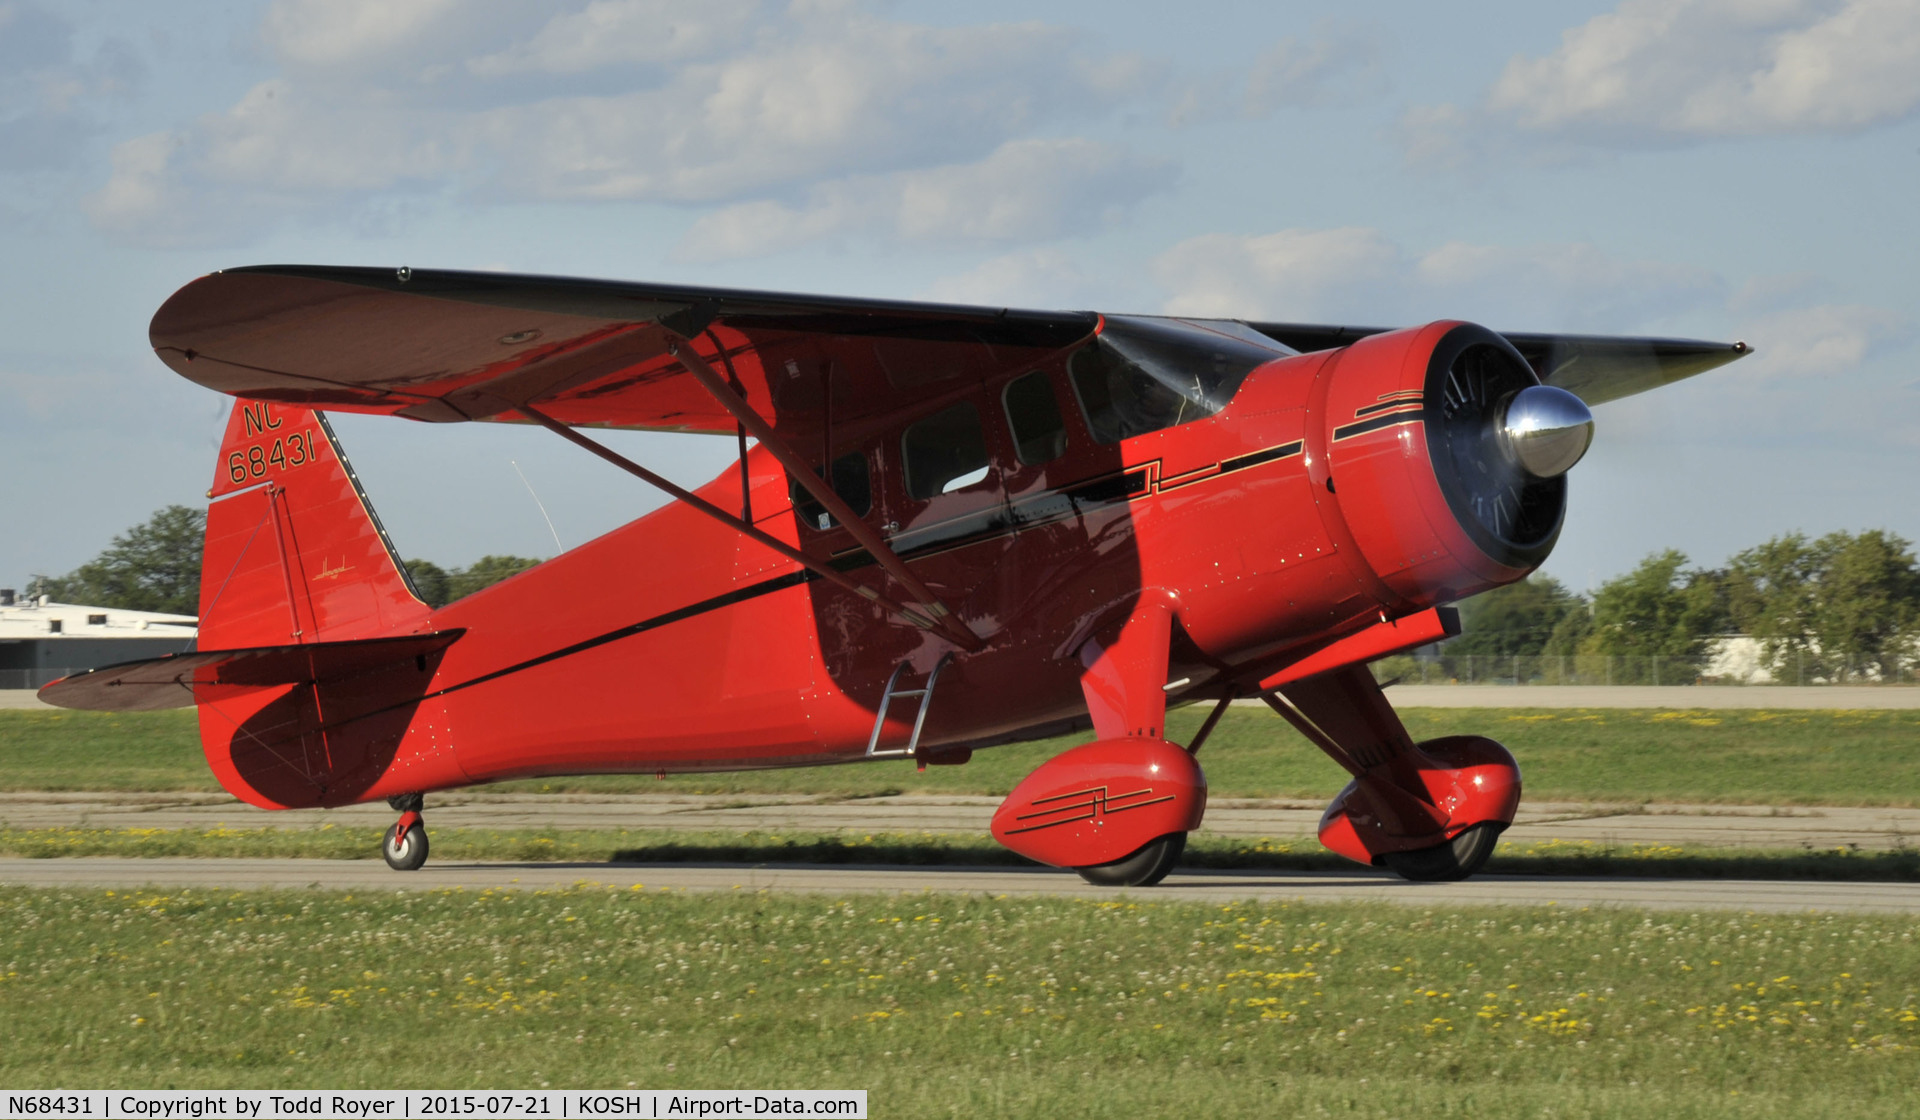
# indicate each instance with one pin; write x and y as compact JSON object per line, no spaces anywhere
{"x":1823,"y":341}
{"x":325,"y":33}
{"x":1818,"y":367}
{"x":1292,"y":274}
{"x":725,"y":101}
{"x":1669,"y":71}
{"x":1341,"y":63}
{"x":1360,"y":276}
{"x":1039,"y":278}
{"x":136,"y":197}
{"x":1024,"y":190}
{"x":626,"y":33}
{"x":51,"y":89}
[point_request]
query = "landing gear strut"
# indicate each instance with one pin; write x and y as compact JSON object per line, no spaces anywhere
{"x":1430,"y":811}
{"x":405,"y":845}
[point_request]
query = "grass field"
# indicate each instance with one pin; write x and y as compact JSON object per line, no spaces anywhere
{"x":945,"y":1006}
{"x":1743,"y":757}
{"x":639,"y":846}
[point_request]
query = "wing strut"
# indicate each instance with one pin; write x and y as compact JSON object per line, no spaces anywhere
{"x":821,"y":568}
{"x":822,"y":492}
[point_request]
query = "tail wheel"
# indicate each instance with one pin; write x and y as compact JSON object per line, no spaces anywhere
{"x":405,"y":849}
{"x":1449,"y":862}
{"x":1143,"y":868}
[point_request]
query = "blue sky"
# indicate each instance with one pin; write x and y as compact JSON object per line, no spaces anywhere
{"x":1705,"y":168}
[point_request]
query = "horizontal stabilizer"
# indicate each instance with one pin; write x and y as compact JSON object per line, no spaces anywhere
{"x":179,"y":679}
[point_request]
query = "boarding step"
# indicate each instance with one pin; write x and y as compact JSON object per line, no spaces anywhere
{"x":894,"y":692}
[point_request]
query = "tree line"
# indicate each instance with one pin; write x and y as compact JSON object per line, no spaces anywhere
{"x":156,"y":567}
{"x":1842,"y":606}
{"x":1836,"y":606}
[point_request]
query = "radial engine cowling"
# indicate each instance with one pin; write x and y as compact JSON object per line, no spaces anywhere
{"x":1445,"y":457}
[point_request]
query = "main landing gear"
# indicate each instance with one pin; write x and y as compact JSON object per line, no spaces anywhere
{"x":1143,"y":868}
{"x":1116,"y":811}
{"x":1430,"y":811}
{"x":1456,"y":859}
{"x":405,"y":845}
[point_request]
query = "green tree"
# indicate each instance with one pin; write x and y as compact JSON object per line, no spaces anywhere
{"x":1829,"y":608}
{"x":1657,"y":611}
{"x":484,"y":572}
{"x":1515,"y":620}
{"x":439,"y":586}
{"x":1570,"y":632}
{"x":431,"y":581}
{"x":1770,"y":591}
{"x":1869,"y":603}
{"x":150,"y":567}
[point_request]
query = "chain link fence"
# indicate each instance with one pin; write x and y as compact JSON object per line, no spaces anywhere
{"x":1809,"y":670}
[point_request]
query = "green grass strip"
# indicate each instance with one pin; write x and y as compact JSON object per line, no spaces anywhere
{"x":1302,"y":853}
{"x":1724,"y":757}
{"x":970,"y":1006}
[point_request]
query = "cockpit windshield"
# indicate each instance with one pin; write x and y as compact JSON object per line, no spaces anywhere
{"x":1143,"y":374}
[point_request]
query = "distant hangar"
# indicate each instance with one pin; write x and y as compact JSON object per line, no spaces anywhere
{"x":42,"y":641}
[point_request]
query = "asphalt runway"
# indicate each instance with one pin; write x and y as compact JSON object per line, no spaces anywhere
{"x":1618,"y":825}
{"x":1729,"y":826}
{"x":1191,"y":886}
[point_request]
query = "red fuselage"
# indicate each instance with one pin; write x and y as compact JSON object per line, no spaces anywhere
{"x":1306,"y":509}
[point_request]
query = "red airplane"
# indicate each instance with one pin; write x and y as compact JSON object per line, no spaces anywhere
{"x":957,"y":527}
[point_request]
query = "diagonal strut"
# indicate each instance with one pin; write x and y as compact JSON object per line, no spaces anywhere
{"x":862,"y":533}
{"x":824,"y":570}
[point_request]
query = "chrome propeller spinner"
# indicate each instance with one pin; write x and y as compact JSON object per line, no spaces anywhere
{"x":1544,"y":430}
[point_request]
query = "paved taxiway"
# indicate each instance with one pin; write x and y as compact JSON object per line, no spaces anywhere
{"x":1730,"y":826}
{"x":1694,"y":825}
{"x":1189,"y":886}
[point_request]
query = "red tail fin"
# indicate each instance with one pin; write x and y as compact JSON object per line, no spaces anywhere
{"x":294,"y":553}
{"x":295,"y":558}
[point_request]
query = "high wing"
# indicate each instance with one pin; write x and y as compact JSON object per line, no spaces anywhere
{"x":449,"y":346}
{"x":1595,"y":368}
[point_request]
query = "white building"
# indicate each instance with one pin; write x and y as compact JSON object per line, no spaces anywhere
{"x":41,"y":641}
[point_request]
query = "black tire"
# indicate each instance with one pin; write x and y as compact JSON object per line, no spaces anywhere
{"x":408,"y":852}
{"x":1143,"y":868}
{"x":1449,"y":862}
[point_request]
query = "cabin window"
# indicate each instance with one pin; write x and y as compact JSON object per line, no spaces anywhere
{"x":1039,"y":435}
{"x":851,"y":480}
{"x":96,"y":620}
{"x":1141,"y":375}
{"x":945,"y":452}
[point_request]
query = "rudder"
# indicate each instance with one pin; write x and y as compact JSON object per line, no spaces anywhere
{"x":294,"y":553}
{"x":294,"y":556}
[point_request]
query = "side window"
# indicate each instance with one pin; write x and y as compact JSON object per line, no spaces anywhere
{"x":1039,"y":435}
{"x":851,"y":480}
{"x":945,"y":451}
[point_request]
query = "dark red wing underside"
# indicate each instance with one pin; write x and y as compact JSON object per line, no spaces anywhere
{"x":451,"y":346}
